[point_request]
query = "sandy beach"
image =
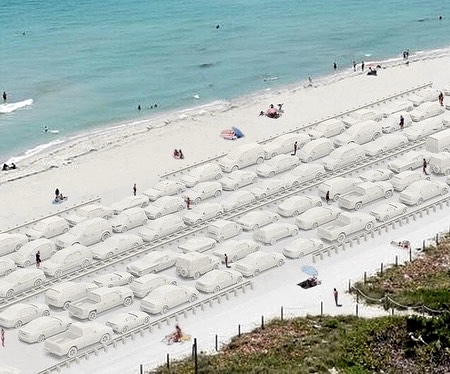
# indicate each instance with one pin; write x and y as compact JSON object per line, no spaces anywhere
{"x":107,"y":164}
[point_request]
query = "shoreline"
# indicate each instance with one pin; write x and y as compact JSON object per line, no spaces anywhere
{"x":137,"y":126}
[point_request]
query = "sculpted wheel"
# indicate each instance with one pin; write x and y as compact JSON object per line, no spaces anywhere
{"x":41,"y":338}
{"x":315,"y":225}
{"x":92,"y":315}
{"x":46,"y":313}
{"x":72,"y":352}
{"x":198,"y":222}
{"x":85,"y":263}
{"x":273,"y":241}
{"x":319,"y":203}
{"x":234,"y":258}
{"x":128,"y":301}
{"x":26,"y":263}
{"x":216,"y":289}
{"x":216,"y":266}
{"x":294,"y":232}
{"x":105,"y":235}
{"x":146,"y":320}
{"x":66,"y":305}
{"x":65,"y":230}
{"x":444,"y":191}
{"x":124,"y":329}
{"x":260,"y":160}
{"x":218,"y":176}
{"x":358,"y":206}
{"x":234,"y":168}
{"x":376,"y":136}
{"x":271,"y":174}
{"x":192,"y":298}
{"x":10,"y":293}
{"x":388,"y":194}
{"x":105,"y":339}
{"x":165,"y":309}
{"x":255,"y":180}
{"x":183,"y":272}
{"x":369,"y":226}
{"x":341,"y":237}
{"x":309,"y":159}
{"x":256,"y":273}
{"x":336,"y":197}
{"x":18,"y":324}
{"x":239,"y":280}
{"x":280,"y":262}
{"x":198,"y":200}
{"x":197,"y":275}
{"x":256,"y":227}
{"x":109,"y":255}
{"x":218,"y":193}
{"x":385,"y":218}
{"x":295,"y":213}
{"x":58,"y":273}
{"x":235,"y":187}
{"x":7,"y":272}
{"x":180,"y":208}
{"x":420,"y":201}
{"x":18,"y":246}
{"x":124,"y":229}
{"x":37,"y":282}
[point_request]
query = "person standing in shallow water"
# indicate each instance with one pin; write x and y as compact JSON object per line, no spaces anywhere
{"x":362,"y":66}
{"x":4,"y":96}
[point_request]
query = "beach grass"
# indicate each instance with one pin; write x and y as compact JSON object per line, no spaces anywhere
{"x":425,"y":281}
{"x":343,"y":344}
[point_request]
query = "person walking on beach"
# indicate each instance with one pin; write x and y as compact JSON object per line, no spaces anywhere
{"x":362,"y":66}
{"x":188,"y":203}
{"x":402,"y":122}
{"x":354,"y":65}
{"x":334,"y":66}
{"x":2,"y":337}
{"x":226,"y":261}
{"x":134,"y":189}
{"x":295,"y":149}
{"x":327,"y":197}
{"x":424,"y":167}
{"x":180,"y":154}
{"x":336,"y":295}
{"x":57,"y":194}
{"x":4,"y":96}
{"x":441,"y":98}
{"x":38,"y":259}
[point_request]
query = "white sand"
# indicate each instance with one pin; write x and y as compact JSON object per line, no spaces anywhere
{"x":136,"y":154}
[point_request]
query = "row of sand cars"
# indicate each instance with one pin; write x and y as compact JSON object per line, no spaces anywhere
{"x":169,"y":197}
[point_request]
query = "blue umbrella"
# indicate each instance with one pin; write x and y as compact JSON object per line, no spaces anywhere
{"x":310,"y":270}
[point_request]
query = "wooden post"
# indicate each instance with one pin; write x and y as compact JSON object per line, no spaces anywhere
{"x":239,"y":330}
{"x":194,"y":347}
{"x":349,"y":285}
{"x":437,"y":239}
{"x":423,"y":245}
{"x":381,"y":268}
{"x":216,"y":343}
{"x":262,"y":322}
{"x":168,"y":362}
{"x":321,"y":308}
{"x":357,"y":306}
{"x":365,"y":277}
{"x":410,"y":254}
{"x":142,"y":369}
{"x":282,"y":313}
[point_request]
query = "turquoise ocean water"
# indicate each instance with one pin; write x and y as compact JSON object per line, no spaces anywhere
{"x":88,"y":64}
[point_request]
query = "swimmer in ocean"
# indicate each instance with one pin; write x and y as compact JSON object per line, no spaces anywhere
{"x":45,"y":128}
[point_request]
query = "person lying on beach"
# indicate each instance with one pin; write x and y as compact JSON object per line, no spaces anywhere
{"x":60,"y":198}
{"x":5,"y":167}
{"x":272,"y":112}
{"x":176,"y":154}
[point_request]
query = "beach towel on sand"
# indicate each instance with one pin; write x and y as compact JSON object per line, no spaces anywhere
{"x":232,"y":134}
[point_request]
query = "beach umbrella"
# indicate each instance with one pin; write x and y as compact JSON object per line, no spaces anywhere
{"x":310,"y":270}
